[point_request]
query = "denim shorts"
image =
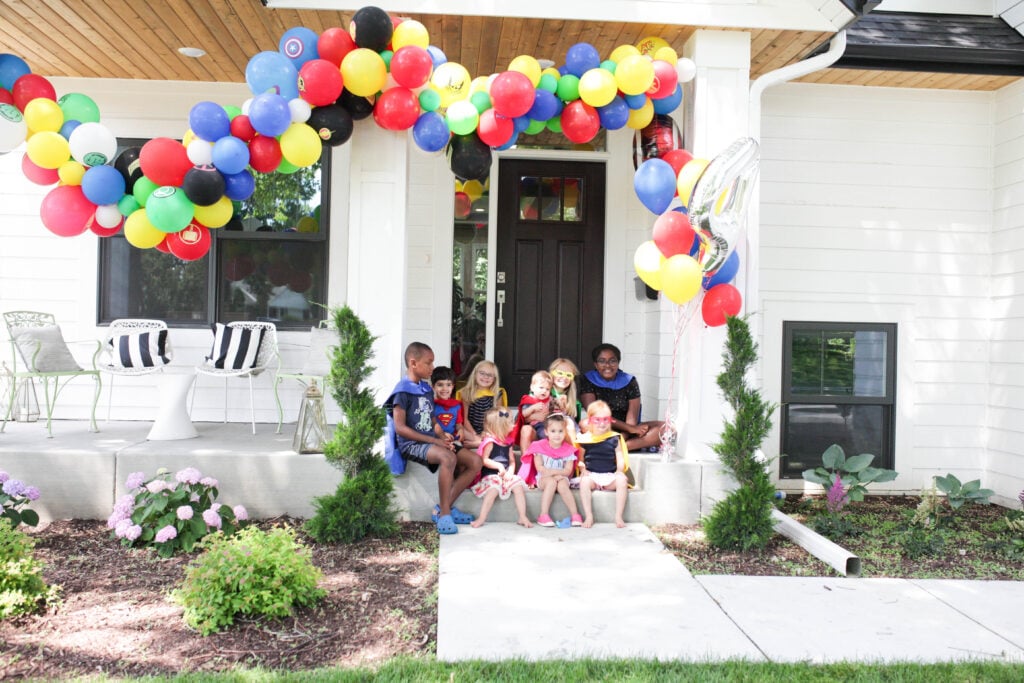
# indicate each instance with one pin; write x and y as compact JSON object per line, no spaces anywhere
{"x":417,"y":452}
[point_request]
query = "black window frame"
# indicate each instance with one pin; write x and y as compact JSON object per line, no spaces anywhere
{"x":214,"y":269}
{"x":887,"y":401}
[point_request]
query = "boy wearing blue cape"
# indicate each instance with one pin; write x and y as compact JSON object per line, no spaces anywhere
{"x":421,"y":440}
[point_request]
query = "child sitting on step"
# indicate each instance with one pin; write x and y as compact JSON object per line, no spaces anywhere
{"x":497,"y":477}
{"x":604,"y":463}
{"x":554,"y":459}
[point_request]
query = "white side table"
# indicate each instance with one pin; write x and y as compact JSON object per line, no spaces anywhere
{"x":173,"y":421}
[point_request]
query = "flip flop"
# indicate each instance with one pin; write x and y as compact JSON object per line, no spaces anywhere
{"x":564,"y":523}
{"x":446,"y":526}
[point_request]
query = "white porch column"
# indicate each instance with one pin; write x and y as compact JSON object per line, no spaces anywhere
{"x":377,"y":270}
{"x":716,"y":108}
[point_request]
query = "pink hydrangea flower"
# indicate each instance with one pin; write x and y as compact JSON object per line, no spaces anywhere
{"x":212,"y":518}
{"x":184,"y":512}
{"x":32,"y":493}
{"x":209,"y":481}
{"x":123,"y":509}
{"x":13,"y":487}
{"x":189,"y":475}
{"x":122,"y":527}
{"x":135,"y":480}
{"x":133,"y":532}
{"x":4,"y":476}
{"x":166,"y":534}
{"x":241,"y":513}
{"x":156,"y":486}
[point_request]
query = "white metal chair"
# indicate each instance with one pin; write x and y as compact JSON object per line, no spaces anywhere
{"x":266,"y":356}
{"x":39,"y":351}
{"x":119,"y":328}
{"x":316,"y":368}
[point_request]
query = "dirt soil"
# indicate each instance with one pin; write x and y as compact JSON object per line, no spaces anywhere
{"x":116,"y":617}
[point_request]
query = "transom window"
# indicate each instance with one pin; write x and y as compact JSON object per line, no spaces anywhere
{"x":544,"y":198}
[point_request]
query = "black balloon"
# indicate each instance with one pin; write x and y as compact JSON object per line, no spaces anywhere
{"x":469,"y":157}
{"x":372,"y":28}
{"x":235,"y":224}
{"x":203,"y":185}
{"x":332,"y":123}
{"x":127,"y":163}
{"x":358,"y":107}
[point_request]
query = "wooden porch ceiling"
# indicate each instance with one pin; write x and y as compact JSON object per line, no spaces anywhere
{"x":135,"y":40}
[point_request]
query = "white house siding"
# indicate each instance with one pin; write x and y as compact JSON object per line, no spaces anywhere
{"x":1005,"y":462}
{"x":876,"y":206}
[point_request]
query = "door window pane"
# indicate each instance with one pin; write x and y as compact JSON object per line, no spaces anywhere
{"x":469,"y":276}
{"x":270,"y":280}
{"x":547,"y":198}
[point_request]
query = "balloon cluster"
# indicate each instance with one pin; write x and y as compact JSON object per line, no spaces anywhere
{"x":692,"y":248}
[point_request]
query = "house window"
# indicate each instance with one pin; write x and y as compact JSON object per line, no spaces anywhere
{"x":268,"y":263}
{"x":469,"y":275}
{"x":838,"y":387}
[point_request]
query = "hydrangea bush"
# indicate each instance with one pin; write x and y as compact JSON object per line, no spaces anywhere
{"x":172,"y":513}
{"x":14,"y":497}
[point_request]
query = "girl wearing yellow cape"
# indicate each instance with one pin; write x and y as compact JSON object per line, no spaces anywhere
{"x":604,"y":463}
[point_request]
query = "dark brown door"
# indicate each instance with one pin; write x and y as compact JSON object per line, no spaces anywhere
{"x":550,"y":266}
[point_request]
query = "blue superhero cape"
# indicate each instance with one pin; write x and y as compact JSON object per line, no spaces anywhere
{"x":392,"y":454}
{"x":620,"y":380}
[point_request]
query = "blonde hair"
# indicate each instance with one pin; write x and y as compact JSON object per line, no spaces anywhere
{"x":544,"y":375}
{"x":570,"y":394}
{"x":498,"y":423}
{"x":596,"y":407}
{"x":469,"y":392}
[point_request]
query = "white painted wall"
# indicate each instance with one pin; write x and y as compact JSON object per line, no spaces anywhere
{"x":876,"y":206}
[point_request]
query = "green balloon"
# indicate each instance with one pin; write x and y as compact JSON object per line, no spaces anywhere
{"x":568,"y":88}
{"x":430,"y":100}
{"x":142,"y":189}
{"x":386,"y":56}
{"x":554,"y":124}
{"x":287,"y":167}
{"x":169,"y":210}
{"x":535,"y":127}
{"x":548,"y":82}
{"x":232,"y":111}
{"x":79,"y":107}
{"x":481,"y":100}
{"x":128,"y":205}
{"x":609,"y":65}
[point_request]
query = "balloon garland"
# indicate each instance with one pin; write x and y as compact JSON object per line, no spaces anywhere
{"x":306,"y":95}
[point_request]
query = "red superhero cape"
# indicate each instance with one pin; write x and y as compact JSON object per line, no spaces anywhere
{"x":526,"y":400}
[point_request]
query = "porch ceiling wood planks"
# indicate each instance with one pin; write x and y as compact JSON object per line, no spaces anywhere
{"x":132,"y":40}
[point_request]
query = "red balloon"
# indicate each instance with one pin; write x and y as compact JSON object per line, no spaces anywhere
{"x":673,"y":234}
{"x":66,"y":212}
{"x":720,"y":301}
{"x":512,"y":94}
{"x":29,"y":87}
{"x":278,"y":274}
{"x":300,"y":282}
{"x":677,"y":158}
{"x":264,"y":154}
{"x":38,"y":174}
{"x":494,"y":129}
{"x":397,"y":108}
{"x":463,"y":204}
{"x":334,"y":44}
{"x":665,"y":80}
{"x":99,"y":230}
{"x":241,"y":128}
{"x":411,"y":66}
{"x":239,"y":267}
{"x":191,"y":243}
{"x":6,"y":97}
{"x":320,"y":82}
{"x":580,"y":121}
{"x":164,"y":161}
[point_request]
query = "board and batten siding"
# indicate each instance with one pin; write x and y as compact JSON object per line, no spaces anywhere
{"x":876,"y":206}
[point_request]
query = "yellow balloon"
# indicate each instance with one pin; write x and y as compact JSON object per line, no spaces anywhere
{"x":551,"y":71}
{"x":364,"y":72}
{"x":301,"y":145}
{"x":648,"y":262}
{"x":410,"y":32}
{"x":452,"y":81}
{"x":650,"y":45}
{"x":667,"y":54}
{"x":622,"y":51}
{"x":188,"y":137}
{"x":480,"y":84}
{"x":642,"y":117}
{"x":680,"y":278}
{"x":473,"y":188}
{"x":597,"y":87}
{"x":634,"y":74}
{"x":140,"y":232}
{"x":47,"y":149}
{"x":527,"y":65}
{"x":71,"y":172}
{"x":215,"y":215}
{"x":688,"y":177}
{"x":43,"y":114}
{"x":307,"y":224}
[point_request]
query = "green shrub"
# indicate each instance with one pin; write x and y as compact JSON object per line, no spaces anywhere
{"x":360,"y":507}
{"x":254,"y":572}
{"x":22,"y":588}
{"x":920,"y":541}
{"x":743,"y":520}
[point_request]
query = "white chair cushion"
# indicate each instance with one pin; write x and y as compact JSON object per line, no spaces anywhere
{"x":53,"y":355}
{"x":148,"y":349}
{"x":234,"y":348}
{"x":321,"y":343}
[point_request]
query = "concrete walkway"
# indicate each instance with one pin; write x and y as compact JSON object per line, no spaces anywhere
{"x":508,"y":592}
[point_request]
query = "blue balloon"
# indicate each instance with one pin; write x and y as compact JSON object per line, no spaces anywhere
{"x":68,"y":128}
{"x":239,"y":186}
{"x":725,"y":273}
{"x":274,"y":73}
{"x":581,"y":58}
{"x":436,"y":55}
{"x":209,"y":121}
{"x":655,"y":185}
{"x":512,"y":141}
{"x":12,"y":68}
{"x":430,"y":133}
{"x":103,"y":185}
{"x":615,"y":114}
{"x":545,"y":106}
{"x":230,"y":155}
{"x":636,"y":101}
{"x":520,"y":123}
{"x":269,"y":115}
{"x":667,"y":105}
{"x":299,"y":45}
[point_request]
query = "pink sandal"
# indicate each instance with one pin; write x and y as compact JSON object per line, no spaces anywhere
{"x":577,"y":520}
{"x":545,"y":520}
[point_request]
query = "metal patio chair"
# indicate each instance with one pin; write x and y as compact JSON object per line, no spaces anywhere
{"x":316,"y":368}
{"x":147,"y":365}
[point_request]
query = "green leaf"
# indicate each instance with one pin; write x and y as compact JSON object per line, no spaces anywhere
{"x":856,"y":493}
{"x":947,"y":483}
{"x":886,"y":475}
{"x":818,"y":476}
{"x":856,"y":463}
{"x":970,"y":487}
{"x":29,"y":517}
{"x":833,"y":458}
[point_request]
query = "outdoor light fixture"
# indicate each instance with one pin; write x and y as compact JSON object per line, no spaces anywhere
{"x":193,"y":52}
{"x":312,"y":424}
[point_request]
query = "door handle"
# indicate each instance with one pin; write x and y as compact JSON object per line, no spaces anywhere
{"x":500,"y":322}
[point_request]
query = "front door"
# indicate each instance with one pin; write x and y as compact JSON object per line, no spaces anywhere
{"x":549,"y":266}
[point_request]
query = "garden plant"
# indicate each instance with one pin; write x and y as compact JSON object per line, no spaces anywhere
{"x":22,"y":587}
{"x":14,"y":499}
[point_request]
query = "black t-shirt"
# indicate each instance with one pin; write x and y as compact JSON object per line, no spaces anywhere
{"x":617,"y":399}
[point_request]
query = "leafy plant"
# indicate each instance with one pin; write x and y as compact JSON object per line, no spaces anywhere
{"x":855,"y":472}
{"x":957,"y":494}
{"x":22,"y":588}
{"x":929,"y":511}
{"x":833,"y":523}
{"x":743,"y":519}
{"x":14,"y":497}
{"x":919,"y":541}
{"x":171,"y":515}
{"x":360,"y":507}
{"x":254,"y":572}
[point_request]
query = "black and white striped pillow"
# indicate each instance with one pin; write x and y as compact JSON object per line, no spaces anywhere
{"x":234,"y":348}
{"x":140,"y":349}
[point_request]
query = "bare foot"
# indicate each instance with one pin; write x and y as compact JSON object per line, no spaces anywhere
{"x":620,"y":524}
{"x":477,"y":523}
{"x":523,"y":521}
{"x":588,"y":522}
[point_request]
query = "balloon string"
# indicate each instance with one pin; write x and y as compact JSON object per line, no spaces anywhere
{"x":683,"y":315}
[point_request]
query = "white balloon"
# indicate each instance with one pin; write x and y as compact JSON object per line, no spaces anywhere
{"x":301,"y":110}
{"x":686,"y":69}
{"x":246,"y":105}
{"x":13,"y":128}
{"x":200,"y":152}
{"x":92,"y":144}
{"x":108,"y":216}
